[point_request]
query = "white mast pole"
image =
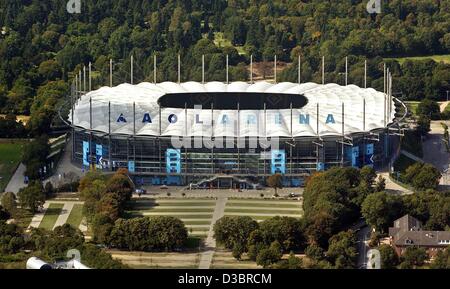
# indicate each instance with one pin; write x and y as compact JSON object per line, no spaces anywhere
{"x":90,"y":74}
{"x":203,"y":68}
{"x":251,"y":68}
{"x":323,"y":69}
{"x":346,"y":70}
{"x":110,"y":73}
{"x":299,"y":69}
{"x":275,"y":69}
{"x":131,"y":69}
{"x":227,"y":69}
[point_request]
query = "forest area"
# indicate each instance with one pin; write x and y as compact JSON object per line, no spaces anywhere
{"x":42,"y":46}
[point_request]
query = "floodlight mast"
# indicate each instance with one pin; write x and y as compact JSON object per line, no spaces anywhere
{"x":346,"y":70}
{"x":110,"y":73}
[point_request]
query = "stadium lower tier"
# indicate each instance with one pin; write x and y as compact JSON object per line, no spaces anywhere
{"x":156,"y":161}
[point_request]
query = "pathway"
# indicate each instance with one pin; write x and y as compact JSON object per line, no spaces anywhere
{"x":65,"y":167}
{"x":37,"y":218}
{"x":434,"y":150}
{"x":393,"y":187}
{"x":16,"y":182}
{"x":62,"y":218}
{"x":206,"y":256}
{"x":443,"y":105}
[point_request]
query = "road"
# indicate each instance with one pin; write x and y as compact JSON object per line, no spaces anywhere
{"x":435,"y":152}
{"x":363,"y":236}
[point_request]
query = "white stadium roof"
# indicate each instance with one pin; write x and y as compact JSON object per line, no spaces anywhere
{"x":273,"y":123}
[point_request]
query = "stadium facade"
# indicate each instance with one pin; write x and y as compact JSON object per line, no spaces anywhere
{"x":182,"y":133}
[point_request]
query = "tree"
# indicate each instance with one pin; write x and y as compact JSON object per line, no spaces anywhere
{"x":381,"y":209}
{"x":11,"y":238}
{"x":286,"y":230}
{"x":381,"y":184}
{"x":270,"y":255}
{"x":156,"y":233}
{"x":441,"y":260}
{"x":234,"y":231}
{"x":121,"y":185}
{"x":32,"y":197}
{"x":294,"y":262}
{"x":422,"y":176}
{"x":423,"y":125}
{"x":368,"y":175}
{"x":342,"y":252}
{"x":35,"y":157}
{"x":9,"y":203}
{"x":314,"y":252}
{"x":389,"y":258}
{"x":412,"y":257}
{"x":275,"y":182}
{"x":429,"y":108}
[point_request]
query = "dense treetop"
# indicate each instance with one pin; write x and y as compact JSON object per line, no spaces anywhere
{"x":41,"y":42}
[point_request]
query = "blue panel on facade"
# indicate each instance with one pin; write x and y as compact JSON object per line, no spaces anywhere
{"x":173,"y":161}
{"x":86,"y":153}
{"x":278,"y":162}
{"x":320,"y":167}
{"x":98,"y":156}
{"x":370,"y":151}
{"x":131,"y":167}
{"x":355,"y":157}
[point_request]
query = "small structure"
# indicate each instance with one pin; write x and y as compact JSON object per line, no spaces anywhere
{"x":407,"y":232}
{"x":36,"y":263}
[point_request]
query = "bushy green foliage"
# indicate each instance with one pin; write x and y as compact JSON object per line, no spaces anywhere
{"x":441,"y":260}
{"x":413,"y":257}
{"x":232,"y":230}
{"x":422,"y":176}
{"x":32,"y":197}
{"x":429,"y":108}
{"x":342,"y":250}
{"x":389,"y":258}
{"x":381,"y":209}
{"x":332,"y":199}
{"x":35,"y":157}
{"x":42,"y":43}
{"x":159,"y":233}
{"x":11,"y":238}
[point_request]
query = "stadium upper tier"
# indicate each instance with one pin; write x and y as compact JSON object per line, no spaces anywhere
{"x":238,"y":109}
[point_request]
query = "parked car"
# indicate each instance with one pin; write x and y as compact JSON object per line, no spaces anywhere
{"x":140,"y":191}
{"x":164,"y":187}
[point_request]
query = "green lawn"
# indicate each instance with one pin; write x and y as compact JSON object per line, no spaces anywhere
{"x":51,"y":215}
{"x":263,"y":211}
{"x":134,"y":214}
{"x":177,"y":210}
{"x":76,"y":215}
{"x":142,"y":205}
{"x":437,"y":58}
{"x":293,"y":205}
{"x":221,"y":41}
{"x":447,"y":108}
{"x":257,"y":218}
{"x":10,"y":156}
{"x":197,"y":222}
{"x":412,"y":106}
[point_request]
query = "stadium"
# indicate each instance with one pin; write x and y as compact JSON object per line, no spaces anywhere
{"x":232,"y":135}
